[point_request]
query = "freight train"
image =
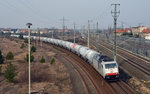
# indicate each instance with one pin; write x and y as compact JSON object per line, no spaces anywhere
{"x":107,"y":67}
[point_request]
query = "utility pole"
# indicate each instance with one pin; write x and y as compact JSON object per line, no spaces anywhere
{"x":52,"y":34}
{"x":81,"y":31}
{"x":139,"y":29}
{"x":63,"y":26}
{"x":93,"y":30}
{"x":122,"y":25}
{"x":139,"y":34}
{"x":29,"y":25}
{"x":74,"y":32}
{"x":84,"y":29}
{"x":39,"y":34}
{"x":115,"y":15}
{"x":97,"y":27}
{"x":88,"y":33}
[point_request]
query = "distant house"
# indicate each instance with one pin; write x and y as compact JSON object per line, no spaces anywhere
{"x":122,"y":31}
{"x":119,"y":32}
{"x":65,"y":30}
{"x":137,"y":30}
{"x":128,"y":30}
{"x":147,"y":36}
{"x":146,"y":33}
{"x":23,"y":30}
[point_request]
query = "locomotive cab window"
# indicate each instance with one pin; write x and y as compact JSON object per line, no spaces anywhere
{"x":113,"y":65}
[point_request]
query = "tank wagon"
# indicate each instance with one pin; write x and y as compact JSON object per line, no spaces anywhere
{"x":105,"y":66}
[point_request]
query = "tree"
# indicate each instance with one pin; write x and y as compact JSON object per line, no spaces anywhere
{"x":136,"y":36}
{"x":52,"y":61}
{"x":22,"y":45}
{"x":33,"y":49}
{"x":21,"y":36}
{"x":27,"y":58}
{"x":10,"y":56}
{"x":42,"y":60}
{"x":1,"y":58}
{"x":25,"y":40}
{"x":10,"y":72}
{"x":0,"y":69}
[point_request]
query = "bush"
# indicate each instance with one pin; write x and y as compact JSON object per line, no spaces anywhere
{"x":10,"y":56}
{"x":0,"y":69}
{"x":136,"y":36}
{"x":52,"y":61}
{"x":42,"y":60}
{"x":26,"y":40}
{"x":10,"y":72}
{"x":20,"y":36}
{"x":130,"y":34}
{"x":27,"y":58}
{"x":22,"y":46}
{"x":33,"y":49}
{"x":1,"y":58}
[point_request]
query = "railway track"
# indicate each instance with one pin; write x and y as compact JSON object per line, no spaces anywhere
{"x":75,"y":62}
{"x":101,"y":86}
{"x":83,"y":79}
{"x":77,"y":69}
{"x":87,"y":87}
{"x":128,"y":58}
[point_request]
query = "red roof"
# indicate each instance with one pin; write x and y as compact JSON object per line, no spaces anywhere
{"x":120,"y":31}
{"x":125,"y":30}
{"x":24,"y":30}
{"x":128,"y":29}
{"x":146,"y":30}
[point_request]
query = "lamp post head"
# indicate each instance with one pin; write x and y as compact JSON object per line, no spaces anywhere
{"x":29,"y":24}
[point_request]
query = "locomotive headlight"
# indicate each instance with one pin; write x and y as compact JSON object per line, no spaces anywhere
{"x":107,"y":74}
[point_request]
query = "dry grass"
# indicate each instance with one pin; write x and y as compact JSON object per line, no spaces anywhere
{"x":39,"y":73}
{"x":53,"y":78}
{"x":138,"y":86}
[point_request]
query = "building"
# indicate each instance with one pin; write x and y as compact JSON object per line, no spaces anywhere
{"x":137,"y":30}
{"x":123,"y":31}
{"x":146,"y":33}
{"x":23,"y":30}
{"x":119,"y":32}
{"x":65,"y":30}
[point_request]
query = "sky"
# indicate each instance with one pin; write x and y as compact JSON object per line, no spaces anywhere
{"x":49,"y":13}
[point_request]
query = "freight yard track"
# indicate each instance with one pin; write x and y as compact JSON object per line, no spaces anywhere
{"x":138,"y":62}
{"x":101,"y":86}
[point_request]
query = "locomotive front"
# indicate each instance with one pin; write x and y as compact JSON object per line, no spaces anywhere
{"x":111,"y":70}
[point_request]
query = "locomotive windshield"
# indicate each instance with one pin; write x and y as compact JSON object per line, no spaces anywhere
{"x":113,"y":65}
{"x":105,"y":58}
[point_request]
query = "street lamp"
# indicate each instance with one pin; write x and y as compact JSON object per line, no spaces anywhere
{"x":29,"y":25}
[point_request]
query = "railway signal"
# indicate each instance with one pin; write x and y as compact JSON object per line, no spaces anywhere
{"x":115,"y":15}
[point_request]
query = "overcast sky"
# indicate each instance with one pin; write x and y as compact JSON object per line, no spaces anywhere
{"x":48,"y":13}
